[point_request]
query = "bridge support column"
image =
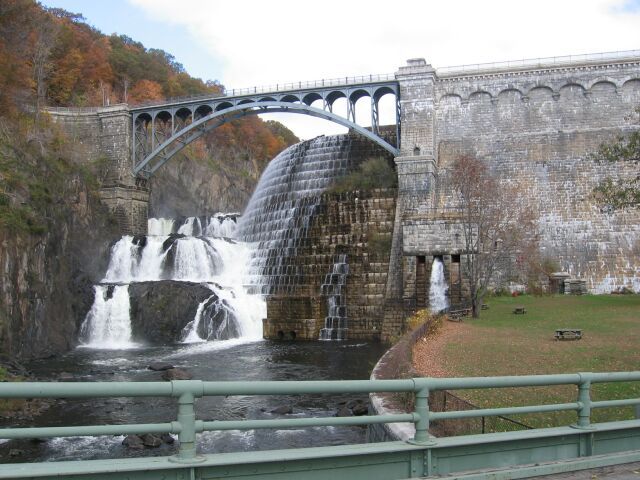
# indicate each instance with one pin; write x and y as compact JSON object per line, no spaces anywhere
{"x":126,"y":196}
{"x":106,"y":135}
{"x":416,"y":168}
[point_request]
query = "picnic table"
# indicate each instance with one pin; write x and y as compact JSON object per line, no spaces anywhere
{"x":568,"y":334}
{"x":456,"y":315}
{"x":519,"y":310}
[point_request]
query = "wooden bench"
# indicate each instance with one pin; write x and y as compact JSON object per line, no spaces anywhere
{"x":484,"y":306}
{"x":519,"y":310}
{"x":456,"y":315}
{"x":568,"y":334}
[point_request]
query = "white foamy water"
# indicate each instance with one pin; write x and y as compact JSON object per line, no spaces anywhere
{"x":218,"y":262}
{"x":230,"y":307}
{"x":131,"y":262}
{"x":160,"y":226}
{"x":107,"y":325}
{"x":438,"y":300}
{"x":221,"y":225}
{"x":191,"y":227}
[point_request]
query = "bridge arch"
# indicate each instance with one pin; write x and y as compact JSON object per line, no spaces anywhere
{"x":218,"y":116}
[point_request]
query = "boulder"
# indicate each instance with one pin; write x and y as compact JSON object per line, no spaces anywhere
{"x":160,"y":310}
{"x":133,"y":442}
{"x":150,"y":440}
{"x":358,"y":407}
{"x":344,"y":412}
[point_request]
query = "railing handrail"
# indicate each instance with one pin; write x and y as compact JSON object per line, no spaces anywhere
{"x":186,"y":391}
{"x":541,"y":62}
{"x":275,"y":88}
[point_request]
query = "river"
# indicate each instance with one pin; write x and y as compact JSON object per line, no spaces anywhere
{"x":218,"y":360}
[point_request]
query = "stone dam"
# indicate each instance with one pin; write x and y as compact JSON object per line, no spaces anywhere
{"x":536,"y":123}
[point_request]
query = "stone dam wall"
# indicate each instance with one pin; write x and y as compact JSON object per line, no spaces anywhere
{"x":539,"y":130}
{"x":360,"y":225}
{"x":536,"y":127}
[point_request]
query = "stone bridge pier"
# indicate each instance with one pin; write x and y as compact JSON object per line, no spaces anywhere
{"x":105,"y":133}
{"x":416,"y":168}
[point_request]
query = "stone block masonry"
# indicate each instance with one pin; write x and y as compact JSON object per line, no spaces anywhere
{"x":360,"y":225}
{"x":105,"y":133}
{"x":536,"y":127}
{"x":537,"y":130}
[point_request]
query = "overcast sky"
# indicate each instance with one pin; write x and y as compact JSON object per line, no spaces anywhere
{"x":244,"y":43}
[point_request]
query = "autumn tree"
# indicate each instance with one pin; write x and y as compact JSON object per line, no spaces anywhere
{"x":498,"y":225}
{"x":623,"y":191}
{"x":14,"y":70}
{"x":145,"y":91}
{"x":43,"y":37}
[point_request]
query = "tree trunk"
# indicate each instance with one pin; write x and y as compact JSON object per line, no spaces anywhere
{"x":475,"y":307}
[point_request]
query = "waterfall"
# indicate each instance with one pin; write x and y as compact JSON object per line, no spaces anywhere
{"x":160,"y":226}
{"x":191,"y":227}
{"x":277,"y":218}
{"x":221,"y":225}
{"x":232,"y":310}
{"x":335,"y":323}
{"x":107,"y":324}
{"x":197,"y":252}
{"x":438,"y":300}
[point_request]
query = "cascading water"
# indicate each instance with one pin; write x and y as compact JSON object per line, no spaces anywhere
{"x":438,"y":300}
{"x":217,"y":262}
{"x":335,"y":323}
{"x":278,"y":216}
{"x":107,"y":324}
{"x":218,"y":225}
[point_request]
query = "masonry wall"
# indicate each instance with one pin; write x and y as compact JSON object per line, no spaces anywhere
{"x":360,"y":225}
{"x":105,"y":134}
{"x":537,"y":129}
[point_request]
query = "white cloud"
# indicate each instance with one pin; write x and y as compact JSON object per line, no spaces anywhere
{"x":261,"y":42}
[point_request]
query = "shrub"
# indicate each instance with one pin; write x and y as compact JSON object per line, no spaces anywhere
{"x":373,"y":173}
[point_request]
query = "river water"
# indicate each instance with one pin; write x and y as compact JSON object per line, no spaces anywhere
{"x":223,"y":360}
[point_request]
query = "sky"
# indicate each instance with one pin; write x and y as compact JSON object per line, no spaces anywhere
{"x":244,"y":43}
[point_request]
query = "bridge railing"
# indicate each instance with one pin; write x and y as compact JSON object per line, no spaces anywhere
{"x":325,"y":82}
{"x":186,"y":426}
{"x":540,"y":62}
{"x":276,"y":88}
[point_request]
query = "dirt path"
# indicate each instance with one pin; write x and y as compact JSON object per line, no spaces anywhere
{"x":428,"y":354}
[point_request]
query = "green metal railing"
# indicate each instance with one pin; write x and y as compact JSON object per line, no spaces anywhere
{"x":186,"y":426}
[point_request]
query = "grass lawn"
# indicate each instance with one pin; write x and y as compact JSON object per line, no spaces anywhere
{"x":501,"y":343}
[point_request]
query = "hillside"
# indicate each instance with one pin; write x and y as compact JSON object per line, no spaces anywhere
{"x":54,"y":231}
{"x":49,"y":56}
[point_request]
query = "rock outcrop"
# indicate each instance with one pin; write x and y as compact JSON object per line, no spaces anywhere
{"x":47,"y":276}
{"x":161,"y":310}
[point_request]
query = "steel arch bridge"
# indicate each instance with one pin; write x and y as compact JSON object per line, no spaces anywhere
{"x":160,"y":131}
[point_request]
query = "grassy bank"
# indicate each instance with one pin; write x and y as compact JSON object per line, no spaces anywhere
{"x":501,"y":343}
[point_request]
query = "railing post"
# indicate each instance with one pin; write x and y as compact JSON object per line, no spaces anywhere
{"x":422,"y":410}
{"x":187,"y":420}
{"x":584,"y":399}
